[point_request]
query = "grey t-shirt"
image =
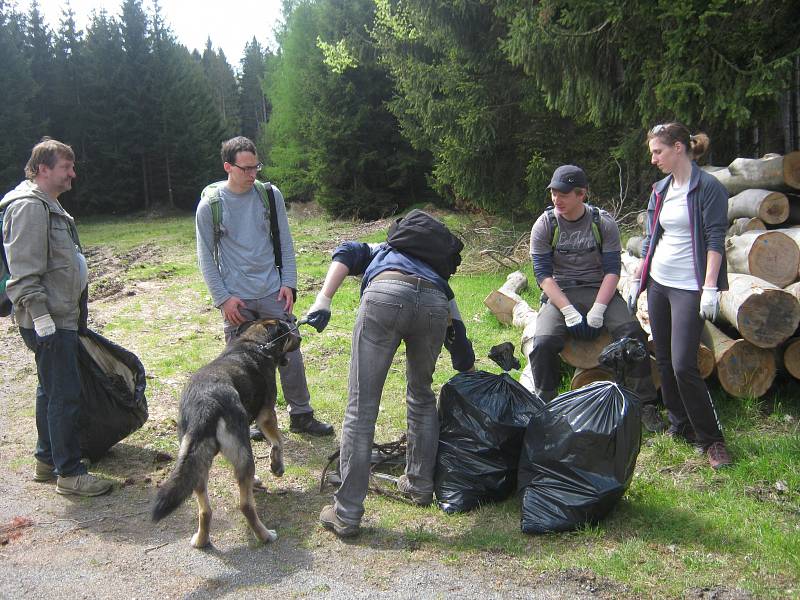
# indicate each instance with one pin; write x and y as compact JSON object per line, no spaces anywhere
{"x":247,"y":261}
{"x":576,"y":260}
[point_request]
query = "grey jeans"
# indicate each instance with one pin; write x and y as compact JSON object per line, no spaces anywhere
{"x":391,"y":312}
{"x":293,"y":374}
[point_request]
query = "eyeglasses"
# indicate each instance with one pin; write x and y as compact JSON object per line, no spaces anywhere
{"x":254,"y":169}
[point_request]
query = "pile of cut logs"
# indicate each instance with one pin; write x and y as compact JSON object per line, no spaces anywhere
{"x":754,"y":335}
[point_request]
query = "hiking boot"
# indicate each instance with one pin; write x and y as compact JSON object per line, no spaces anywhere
{"x":83,"y":485}
{"x":685,"y":435}
{"x":330,"y":520}
{"x":718,"y":456}
{"x":256,"y":434}
{"x":306,"y":423}
{"x":651,"y":418}
{"x":42,"y":472}
{"x":418,"y":498}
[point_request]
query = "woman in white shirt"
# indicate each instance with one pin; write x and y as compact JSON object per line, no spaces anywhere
{"x":683,"y":271}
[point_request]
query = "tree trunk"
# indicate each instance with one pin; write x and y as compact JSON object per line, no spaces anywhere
{"x":583,"y":377}
{"x":502,"y":301}
{"x":743,"y":369}
{"x":634,"y":246}
{"x":524,"y":316}
{"x":790,"y":357}
{"x":743,"y":224}
{"x":763,"y":314}
{"x":769,"y":255}
{"x":584,"y":354}
{"x":771,"y":207}
{"x":774,"y":173}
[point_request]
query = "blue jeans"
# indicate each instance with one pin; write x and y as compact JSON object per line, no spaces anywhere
{"x":390,"y":312}
{"x":58,"y":401}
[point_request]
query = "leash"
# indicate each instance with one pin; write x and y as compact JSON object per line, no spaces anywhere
{"x":292,"y":329}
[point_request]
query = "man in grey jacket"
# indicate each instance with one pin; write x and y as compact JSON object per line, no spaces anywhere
{"x":240,"y":268}
{"x":47,"y":285}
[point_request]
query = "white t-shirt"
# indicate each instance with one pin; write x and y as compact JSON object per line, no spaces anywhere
{"x":673,"y":262}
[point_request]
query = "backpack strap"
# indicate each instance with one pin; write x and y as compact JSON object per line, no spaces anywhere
{"x":265,"y":189}
{"x":212,"y":194}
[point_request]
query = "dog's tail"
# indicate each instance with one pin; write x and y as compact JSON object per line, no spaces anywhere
{"x":194,"y":461}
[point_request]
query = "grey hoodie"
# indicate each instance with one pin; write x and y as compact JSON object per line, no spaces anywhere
{"x":48,"y":271}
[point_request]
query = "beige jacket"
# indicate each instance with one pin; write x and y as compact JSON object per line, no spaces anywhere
{"x":47,"y":268}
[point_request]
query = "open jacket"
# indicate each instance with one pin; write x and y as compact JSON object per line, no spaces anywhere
{"x":707,"y":201}
{"x":42,"y":250}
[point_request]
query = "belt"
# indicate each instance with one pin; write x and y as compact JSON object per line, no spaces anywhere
{"x":419,"y":282}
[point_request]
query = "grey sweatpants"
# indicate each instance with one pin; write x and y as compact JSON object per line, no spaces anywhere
{"x":391,"y":312}
{"x":293,"y":374}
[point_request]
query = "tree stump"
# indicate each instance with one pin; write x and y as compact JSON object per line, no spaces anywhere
{"x":769,"y":255}
{"x":763,"y":314}
{"x":583,"y":377}
{"x":584,"y":354}
{"x":770,"y":207}
{"x":743,"y":369}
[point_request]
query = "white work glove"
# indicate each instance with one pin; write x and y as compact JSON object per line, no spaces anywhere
{"x":709,"y":303}
{"x":44,"y":326}
{"x":595,"y":315}
{"x":571,"y":316}
{"x":320,"y":312}
{"x":633,"y":292}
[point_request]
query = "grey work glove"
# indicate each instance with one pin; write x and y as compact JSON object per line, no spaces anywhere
{"x":709,"y":303}
{"x":45,"y":331}
{"x":633,"y":293}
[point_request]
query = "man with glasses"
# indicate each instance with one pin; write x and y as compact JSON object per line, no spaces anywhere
{"x":575,"y":249}
{"x":247,"y":259}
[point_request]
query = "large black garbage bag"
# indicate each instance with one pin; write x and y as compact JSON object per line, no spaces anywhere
{"x":578,"y":457}
{"x":113,"y":404}
{"x":482,"y":422}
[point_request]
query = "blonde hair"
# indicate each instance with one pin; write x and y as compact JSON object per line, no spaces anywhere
{"x":668,"y":133}
{"x":47,"y":152}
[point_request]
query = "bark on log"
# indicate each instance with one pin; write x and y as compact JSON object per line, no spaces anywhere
{"x":790,"y":357}
{"x":744,"y":224}
{"x":763,"y":314}
{"x":583,"y":377}
{"x":634,"y":246}
{"x":794,"y":289}
{"x":769,"y":255}
{"x":772,"y":173}
{"x":743,"y":369}
{"x":502,"y":301}
{"x":771,"y":207}
{"x":584,"y":354}
{"x":524,"y":316}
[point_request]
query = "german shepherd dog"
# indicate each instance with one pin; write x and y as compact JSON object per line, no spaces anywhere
{"x":217,"y":406}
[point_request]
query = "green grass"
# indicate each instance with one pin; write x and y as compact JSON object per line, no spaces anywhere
{"x":680,"y":526}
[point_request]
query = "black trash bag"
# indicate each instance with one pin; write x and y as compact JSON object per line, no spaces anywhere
{"x":578,"y":457}
{"x":482,"y":417}
{"x":618,"y":357}
{"x":113,"y":404}
{"x":503,"y":356}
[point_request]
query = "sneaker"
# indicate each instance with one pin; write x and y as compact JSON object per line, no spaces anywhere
{"x":718,"y":456}
{"x":651,"y":418}
{"x":330,"y":520}
{"x":42,"y":472}
{"x":83,"y":485}
{"x":256,"y":434}
{"x":306,"y":423}
{"x":418,"y":498}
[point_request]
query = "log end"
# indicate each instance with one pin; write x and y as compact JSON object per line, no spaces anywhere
{"x":745,"y":371}
{"x":791,"y":169}
{"x":769,"y":318}
{"x":584,"y":354}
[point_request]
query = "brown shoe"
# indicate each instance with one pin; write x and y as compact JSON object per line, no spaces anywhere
{"x":718,"y":456}
{"x":83,"y":485}
{"x":330,"y":520}
{"x":42,"y":472}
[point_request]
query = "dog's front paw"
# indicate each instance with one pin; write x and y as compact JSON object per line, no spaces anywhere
{"x":276,"y":466}
{"x":266,"y":535}
{"x":199,"y":540}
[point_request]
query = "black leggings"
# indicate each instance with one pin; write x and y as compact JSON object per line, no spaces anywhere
{"x":676,"y":325}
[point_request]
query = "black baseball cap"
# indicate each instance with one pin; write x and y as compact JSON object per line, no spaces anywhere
{"x":567,"y":177}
